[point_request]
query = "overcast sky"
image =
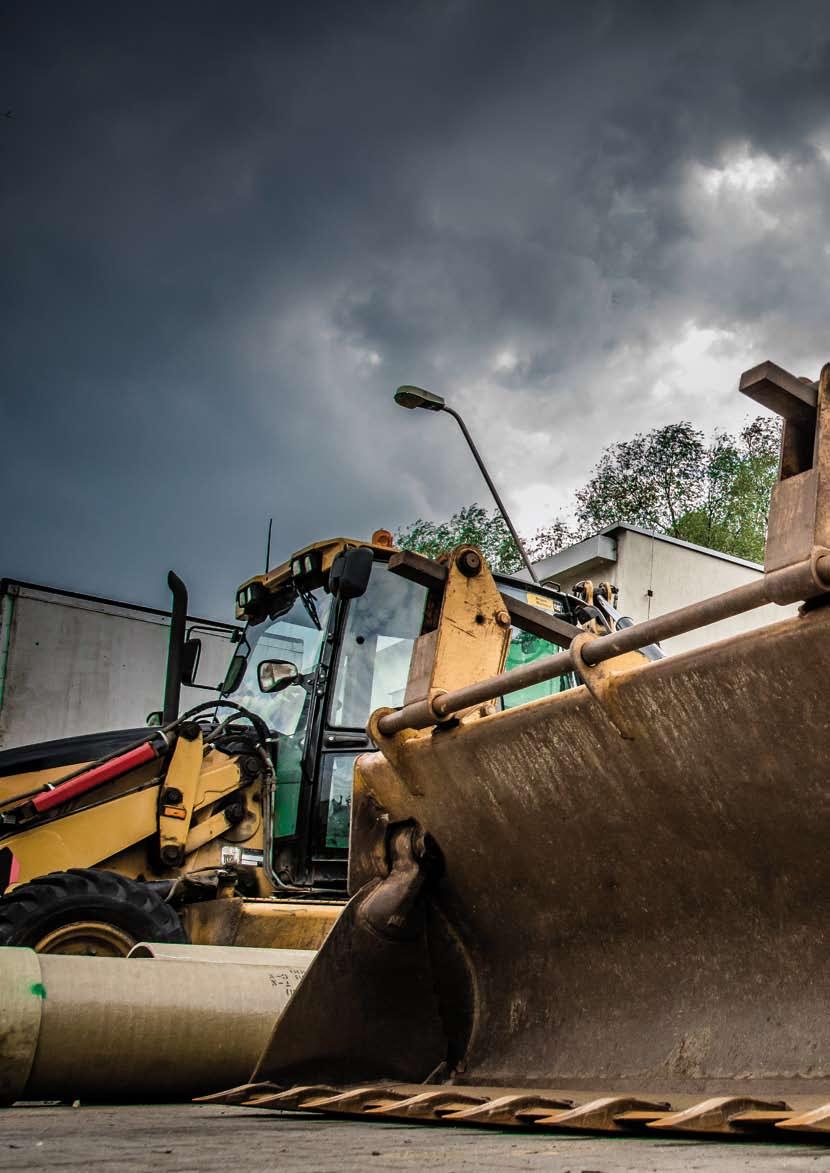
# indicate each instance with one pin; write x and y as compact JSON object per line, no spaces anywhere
{"x":230,"y":230}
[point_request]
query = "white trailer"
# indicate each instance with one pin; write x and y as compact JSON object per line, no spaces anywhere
{"x":74,"y":664}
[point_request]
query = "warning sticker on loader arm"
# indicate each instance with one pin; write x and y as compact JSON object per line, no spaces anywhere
{"x":544,"y":602}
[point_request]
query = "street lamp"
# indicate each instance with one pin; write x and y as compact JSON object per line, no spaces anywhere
{"x":412,"y":397}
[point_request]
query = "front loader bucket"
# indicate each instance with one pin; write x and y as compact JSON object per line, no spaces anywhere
{"x":644,"y":914}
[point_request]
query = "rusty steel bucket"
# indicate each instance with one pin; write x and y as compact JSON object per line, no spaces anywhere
{"x":542,"y":902}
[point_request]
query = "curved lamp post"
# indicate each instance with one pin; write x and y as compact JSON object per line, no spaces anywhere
{"x":412,"y":397}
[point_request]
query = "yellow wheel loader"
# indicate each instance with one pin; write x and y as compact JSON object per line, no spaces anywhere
{"x":605,"y":908}
{"x":230,"y":825}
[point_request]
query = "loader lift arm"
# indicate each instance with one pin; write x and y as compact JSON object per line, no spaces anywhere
{"x":433,"y":576}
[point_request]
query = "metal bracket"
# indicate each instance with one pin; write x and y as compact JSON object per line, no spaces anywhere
{"x":799,"y":518}
{"x":177,"y":795}
{"x":601,"y":681}
{"x":413,"y":858}
{"x":526,"y":616}
{"x":469,"y":643}
{"x":471,"y":638}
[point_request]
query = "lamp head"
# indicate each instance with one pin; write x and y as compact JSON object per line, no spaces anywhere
{"x":412,"y":397}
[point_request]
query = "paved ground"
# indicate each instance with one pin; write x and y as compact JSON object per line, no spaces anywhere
{"x":209,"y":1139}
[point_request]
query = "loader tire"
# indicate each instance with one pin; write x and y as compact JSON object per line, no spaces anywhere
{"x":94,"y":913}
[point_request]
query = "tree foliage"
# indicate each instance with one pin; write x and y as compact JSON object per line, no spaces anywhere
{"x":474,"y":526}
{"x":670,"y":480}
{"x":741,"y":474}
{"x":648,"y":481}
{"x":550,"y":539}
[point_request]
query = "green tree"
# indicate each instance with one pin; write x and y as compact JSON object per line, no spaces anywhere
{"x":550,"y":539}
{"x":670,"y":480}
{"x":650,"y":481}
{"x":740,"y":474}
{"x":474,"y":526}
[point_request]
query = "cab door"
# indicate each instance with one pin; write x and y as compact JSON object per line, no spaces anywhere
{"x":369,"y":670}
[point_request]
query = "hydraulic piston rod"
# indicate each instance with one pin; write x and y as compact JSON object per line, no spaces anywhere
{"x":802,"y":581}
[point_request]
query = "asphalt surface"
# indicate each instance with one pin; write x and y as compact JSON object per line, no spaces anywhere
{"x":190,"y":1138}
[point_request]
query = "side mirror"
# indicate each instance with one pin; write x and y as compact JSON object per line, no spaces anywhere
{"x":350,"y":571}
{"x":275,"y":675}
{"x":235,"y":672}
{"x":191,"y":653}
{"x":154,"y":718}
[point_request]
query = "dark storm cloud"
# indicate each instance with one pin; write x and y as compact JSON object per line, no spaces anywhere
{"x":231,"y":231}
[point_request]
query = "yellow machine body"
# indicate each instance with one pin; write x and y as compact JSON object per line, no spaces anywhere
{"x":216,"y":823}
{"x":117,"y":831}
{"x":131,"y":827}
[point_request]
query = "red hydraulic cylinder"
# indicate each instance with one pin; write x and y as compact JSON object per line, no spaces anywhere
{"x":89,"y":779}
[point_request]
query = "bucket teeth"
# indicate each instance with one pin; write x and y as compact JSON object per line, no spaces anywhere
{"x":359,"y":1100}
{"x":602,"y":1115}
{"x":504,"y":1111}
{"x":756,"y":1119}
{"x":721,"y":1114}
{"x":238,"y":1095}
{"x":718,"y":1116}
{"x":639,"y":1118}
{"x":304,"y":1098}
{"x":431,"y":1105}
{"x":816,"y":1120}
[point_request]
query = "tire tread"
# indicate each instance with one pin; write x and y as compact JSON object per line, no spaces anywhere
{"x":42,"y":899}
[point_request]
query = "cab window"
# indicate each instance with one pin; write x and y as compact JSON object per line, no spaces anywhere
{"x":526,"y":649}
{"x":373,"y":664}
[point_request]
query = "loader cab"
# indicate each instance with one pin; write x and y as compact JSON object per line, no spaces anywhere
{"x":314,"y":665}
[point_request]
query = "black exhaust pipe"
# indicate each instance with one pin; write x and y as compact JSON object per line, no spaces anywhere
{"x":175,"y":649}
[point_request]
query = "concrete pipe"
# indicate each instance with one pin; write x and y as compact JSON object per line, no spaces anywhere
{"x":118,"y":1029}
{"x":223,"y":954}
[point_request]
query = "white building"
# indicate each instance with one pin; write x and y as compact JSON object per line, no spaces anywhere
{"x":655,"y":574}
